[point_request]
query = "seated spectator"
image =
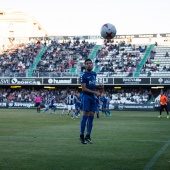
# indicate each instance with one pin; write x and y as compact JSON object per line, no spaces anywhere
{"x":166,"y":54}
{"x":158,"y":63}
{"x":168,"y":69}
{"x":164,"y":68}
{"x":141,"y":49}
{"x":152,"y":54}
{"x":143,"y":71}
{"x":149,"y":74}
{"x":72,"y":63}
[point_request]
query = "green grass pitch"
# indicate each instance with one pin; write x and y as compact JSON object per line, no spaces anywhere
{"x":129,"y":140}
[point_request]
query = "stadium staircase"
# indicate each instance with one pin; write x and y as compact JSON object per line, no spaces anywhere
{"x":93,"y":55}
{"x":73,"y":70}
{"x":38,"y":58}
{"x":137,"y":73}
{"x":96,"y":69}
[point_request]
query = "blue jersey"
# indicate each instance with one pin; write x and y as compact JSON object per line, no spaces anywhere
{"x":81,"y":100}
{"x":48,"y":101}
{"x":89,"y":78}
{"x":51,"y":101}
{"x":97,"y":103}
{"x":81,"y":95}
{"x":103,"y":99}
{"x":88,"y":102}
{"x":108,"y":101}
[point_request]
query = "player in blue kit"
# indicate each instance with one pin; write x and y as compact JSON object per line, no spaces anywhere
{"x":108,"y":104}
{"x":50,"y":104}
{"x":104,"y":101}
{"x":88,"y":101}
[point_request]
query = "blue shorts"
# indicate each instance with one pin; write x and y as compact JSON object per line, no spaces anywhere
{"x":88,"y":103}
{"x":97,"y":108}
{"x":97,"y":105}
{"x":51,"y":106}
{"x":104,"y":106}
{"x":77,"y":105}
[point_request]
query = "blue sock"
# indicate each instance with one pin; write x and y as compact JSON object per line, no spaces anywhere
{"x":73,"y":114}
{"x":83,"y":124}
{"x":89,"y":124}
{"x":108,"y":111}
{"x":55,"y":109}
{"x":76,"y":113}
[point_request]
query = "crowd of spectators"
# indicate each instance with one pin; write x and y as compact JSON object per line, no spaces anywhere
{"x":133,"y":96}
{"x":28,"y":95}
{"x":123,"y":60}
{"x":117,"y":59}
{"x":126,"y":95}
{"x":112,"y":59}
{"x":61,"y":57}
{"x":158,"y":62}
{"x":18,"y":59}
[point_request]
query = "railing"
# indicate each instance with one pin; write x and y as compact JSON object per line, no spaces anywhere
{"x":77,"y":74}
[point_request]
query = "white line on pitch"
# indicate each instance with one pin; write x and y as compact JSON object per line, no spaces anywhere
{"x":159,"y":153}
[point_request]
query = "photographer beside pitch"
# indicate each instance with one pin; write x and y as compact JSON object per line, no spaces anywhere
{"x":88,"y":83}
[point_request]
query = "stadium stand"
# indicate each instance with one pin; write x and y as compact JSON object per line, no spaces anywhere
{"x":62,"y":59}
{"x":119,"y":59}
{"x":67,"y":58}
{"x":111,"y":59}
{"x":137,"y":73}
{"x":18,"y":59}
{"x":158,"y":63}
{"x":37,"y":59}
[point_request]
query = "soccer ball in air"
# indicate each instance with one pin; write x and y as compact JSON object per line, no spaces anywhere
{"x":108,"y":31}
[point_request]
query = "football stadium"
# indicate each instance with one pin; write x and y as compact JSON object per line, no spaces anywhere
{"x":88,"y":102}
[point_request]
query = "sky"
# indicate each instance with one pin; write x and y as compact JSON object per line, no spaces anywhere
{"x":86,"y":17}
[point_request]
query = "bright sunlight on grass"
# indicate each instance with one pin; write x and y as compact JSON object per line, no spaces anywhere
{"x":126,"y":141}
